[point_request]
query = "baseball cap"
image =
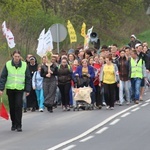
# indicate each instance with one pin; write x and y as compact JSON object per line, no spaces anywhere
{"x":137,"y":45}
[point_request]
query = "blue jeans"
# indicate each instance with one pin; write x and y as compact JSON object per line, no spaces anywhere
{"x":130,"y":89}
{"x":124,"y":86}
{"x":40,"y":98}
{"x":71,"y":96}
{"x":136,"y":84}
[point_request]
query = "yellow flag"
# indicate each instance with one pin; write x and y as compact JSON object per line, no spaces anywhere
{"x":83,"y":30}
{"x":72,"y":33}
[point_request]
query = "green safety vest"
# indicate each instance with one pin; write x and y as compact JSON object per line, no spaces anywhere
{"x":16,"y":76}
{"x":136,"y":69}
{"x":67,"y":66}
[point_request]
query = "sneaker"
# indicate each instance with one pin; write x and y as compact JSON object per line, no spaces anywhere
{"x":128,"y":103}
{"x":136,"y":102}
{"x":64,"y":108}
{"x":104,"y":104}
{"x":99,"y":107}
{"x":68,"y":108}
{"x":112,"y":108}
{"x":120,"y":104}
{"x":40,"y":110}
{"x":107,"y":107}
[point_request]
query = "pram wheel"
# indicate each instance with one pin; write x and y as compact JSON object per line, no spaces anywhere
{"x":86,"y":107}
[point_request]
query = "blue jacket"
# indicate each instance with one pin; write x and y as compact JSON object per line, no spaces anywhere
{"x":90,"y":71}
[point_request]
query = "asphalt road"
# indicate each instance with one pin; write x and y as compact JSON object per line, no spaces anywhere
{"x":129,"y":131}
{"x":77,"y":130}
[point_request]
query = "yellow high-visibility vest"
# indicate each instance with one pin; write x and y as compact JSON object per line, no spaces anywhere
{"x":16,"y":76}
{"x":136,"y":69}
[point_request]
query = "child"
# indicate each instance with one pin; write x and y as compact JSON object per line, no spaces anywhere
{"x":37,"y":84}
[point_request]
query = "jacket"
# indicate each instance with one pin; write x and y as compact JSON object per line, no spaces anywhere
{"x":90,"y":71}
{"x":44,"y":72}
{"x":37,"y":81}
{"x":64,"y":74}
{"x":123,"y":68}
{"x":4,"y":74}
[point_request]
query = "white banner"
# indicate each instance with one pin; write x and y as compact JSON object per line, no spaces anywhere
{"x":40,"y":48}
{"x":4,"y":28}
{"x":87,"y":38}
{"x":48,"y":41}
{"x":9,"y":36}
{"x":45,"y":42}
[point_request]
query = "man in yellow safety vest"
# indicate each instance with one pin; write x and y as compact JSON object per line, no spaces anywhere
{"x":137,"y":72}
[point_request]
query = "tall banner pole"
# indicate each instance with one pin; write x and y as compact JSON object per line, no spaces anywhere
{"x":57,"y":39}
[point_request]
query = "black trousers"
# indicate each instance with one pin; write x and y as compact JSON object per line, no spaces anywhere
{"x":109,"y":94}
{"x":65,"y":93}
{"x":98,"y":95}
{"x":32,"y":99}
{"x":15,"y":105}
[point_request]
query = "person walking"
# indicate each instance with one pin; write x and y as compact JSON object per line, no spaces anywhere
{"x":109,"y":77}
{"x":97,"y":66}
{"x":137,"y":73}
{"x":32,"y":99}
{"x":48,"y":72}
{"x":37,"y":85}
{"x":123,"y":67}
{"x":16,"y":78}
{"x":64,"y":83}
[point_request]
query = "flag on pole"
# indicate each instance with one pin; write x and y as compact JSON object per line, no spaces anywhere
{"x":72,"y":33}
{"x":45,"y":42}
{"x":87,"y":38}
{"x":40,"y":47}
{"x":3,"y":111}
{"x":48,"y":41}
{"x":9,"y":36}
{"x":83,"y":30}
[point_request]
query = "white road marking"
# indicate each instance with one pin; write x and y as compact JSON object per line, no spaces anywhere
{"x":86,"y":139}
{"x":135,"y":109}
{"x":126,"y":114}
{"x":114,"y":122}
{"x":147,"y":100}
{"x":102,"y":130}
{"x":92,"y":129}
{"x":69,"y":147}
{"x":144,"y":104}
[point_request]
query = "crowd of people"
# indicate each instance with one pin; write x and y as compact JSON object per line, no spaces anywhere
{"x":116,"y":76}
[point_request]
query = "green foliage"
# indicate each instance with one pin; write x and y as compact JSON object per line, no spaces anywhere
{"x":145,"y":36}
{"x":113,"y":20}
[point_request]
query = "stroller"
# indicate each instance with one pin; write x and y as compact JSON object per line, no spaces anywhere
{"x":82,"y":94}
